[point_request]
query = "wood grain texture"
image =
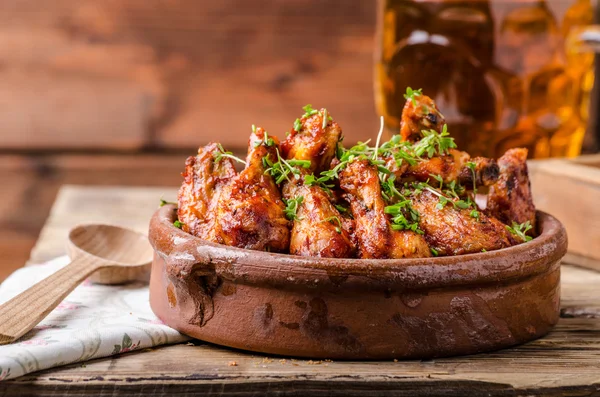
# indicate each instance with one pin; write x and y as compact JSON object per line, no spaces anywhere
{"x":137,"y":73}
{"x":565,"y":363}
{"x":570,"y":190}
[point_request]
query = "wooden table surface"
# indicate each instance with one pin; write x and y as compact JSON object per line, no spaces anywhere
{"x":564,"y":363}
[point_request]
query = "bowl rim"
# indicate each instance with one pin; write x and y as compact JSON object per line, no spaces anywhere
{"x":185,"y":254}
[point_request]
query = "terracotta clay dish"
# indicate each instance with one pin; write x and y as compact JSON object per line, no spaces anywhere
{"x":405,"y":248}
{"x":356,"y":308}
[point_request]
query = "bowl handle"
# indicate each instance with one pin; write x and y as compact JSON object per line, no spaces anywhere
{"x":194,"y":281}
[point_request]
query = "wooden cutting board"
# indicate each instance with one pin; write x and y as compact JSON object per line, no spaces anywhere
{"x":569,"y":189}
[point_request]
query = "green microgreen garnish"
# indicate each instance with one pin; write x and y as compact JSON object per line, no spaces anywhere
{"x":474,"y":213}
{"x":411,"y":94}
{"x":404,"y":216}
{"x":434,"y":252}
{"x":341,"y":208}
{"x":178,"y":224}
{"x":309,"y":111}
{"x":358,"y":151}
{"x":388,"y":188}
{"x":333,"y":220}
{"x":471,"y":165}
{"x":164,"y":202}
{"x":297,"y":125}
{"x":291,"y":207}
{"x":311,"y":180}
{"x":267,"y":140}
{"x":450,"y":195}
{"x":281,"y":169}
{"x":376,"y":151}
{"x":221,"y":153}
{"x":434,"y":143}
{"x":520,"y":230}
{"x":439,"y":179}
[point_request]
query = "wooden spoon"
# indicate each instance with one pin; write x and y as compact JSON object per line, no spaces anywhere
{"x":92,"y":247}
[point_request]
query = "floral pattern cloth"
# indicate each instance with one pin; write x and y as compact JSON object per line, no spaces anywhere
{"x":93,"y":321}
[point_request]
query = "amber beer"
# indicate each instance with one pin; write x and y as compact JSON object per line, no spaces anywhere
{"x":503,"y":73}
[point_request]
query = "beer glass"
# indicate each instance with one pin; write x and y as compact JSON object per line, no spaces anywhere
{"x":504,"y":73}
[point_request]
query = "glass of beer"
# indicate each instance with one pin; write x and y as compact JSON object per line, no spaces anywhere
{"x":504,"y":73}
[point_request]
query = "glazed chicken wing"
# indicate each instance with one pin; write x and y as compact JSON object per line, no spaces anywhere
{"x":510,"y":198}
{"x":250,"y":212}
{"x":314,"y":138}
{"x":453,"y":167}
{"x":420,"y":113}
{"x":373,"y":230}
{"x":205,"y":176}
{"x":453,"y":231}
{"x":319,"y":229}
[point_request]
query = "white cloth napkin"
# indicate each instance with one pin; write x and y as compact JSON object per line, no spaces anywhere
{"x":93,"y":321}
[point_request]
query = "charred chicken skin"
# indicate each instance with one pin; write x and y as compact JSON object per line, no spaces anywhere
{"x":373,"y":232}
{"x":250,"y":212}
{"x":204,"y":177}
{"x":412,"y":196}
{"x":420,"y":113}
{"x":510,"y":198}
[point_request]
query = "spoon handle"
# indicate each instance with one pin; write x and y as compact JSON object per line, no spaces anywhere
{"x":23,"y":312}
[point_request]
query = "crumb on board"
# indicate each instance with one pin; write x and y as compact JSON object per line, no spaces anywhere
{"x":233,"y":364}
{"x":190,"y":344}
{"x":395,"y":360}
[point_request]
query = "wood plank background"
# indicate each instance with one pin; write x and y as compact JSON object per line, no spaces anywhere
{"x":140,"y":74}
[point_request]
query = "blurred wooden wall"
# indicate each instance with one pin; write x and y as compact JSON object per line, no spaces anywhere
{"x":172,"y":74}
{"x":119,"y":92}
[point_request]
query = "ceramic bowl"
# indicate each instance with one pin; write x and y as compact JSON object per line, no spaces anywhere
{"x":356,"y":308}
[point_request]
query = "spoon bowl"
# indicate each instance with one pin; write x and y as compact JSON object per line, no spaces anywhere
{"x":118,"y":255}
{"x":127,"y":252}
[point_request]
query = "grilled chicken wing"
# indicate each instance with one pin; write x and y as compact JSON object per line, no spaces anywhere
{"x":204,"y":179}
{"x":420,"y":113}
{"x":510,"y":198}
{"x":250,"y":212}
{"x":313,"y":141}
{"x":373,"y":230}
{"x":452,"y":231}
{"x":318,"y":229}
{"x":453,"y":167}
